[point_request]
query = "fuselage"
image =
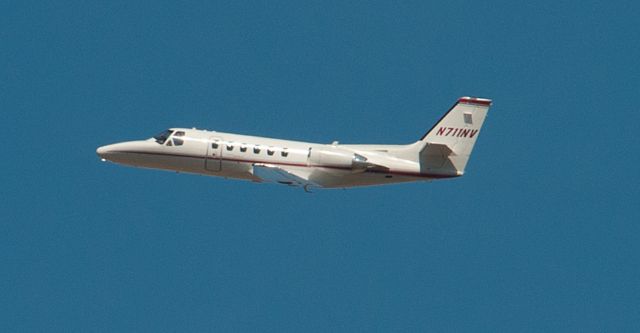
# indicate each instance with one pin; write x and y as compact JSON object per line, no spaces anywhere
{"x":235,"y":156}
{"x":442,"y":152}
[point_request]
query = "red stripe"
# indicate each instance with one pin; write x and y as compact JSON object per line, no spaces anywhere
{"x":474,"y":101}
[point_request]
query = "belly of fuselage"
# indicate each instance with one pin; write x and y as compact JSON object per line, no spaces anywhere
{"x":190,"y":164}
{"x":243,"y":170}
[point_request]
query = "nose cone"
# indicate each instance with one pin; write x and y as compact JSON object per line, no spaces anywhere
{"x":112,"y":152}
{"x":126,"y":152}
{"x":103,"y":152}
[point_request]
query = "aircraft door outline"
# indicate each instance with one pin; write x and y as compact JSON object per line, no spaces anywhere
{"x":213,"y":160}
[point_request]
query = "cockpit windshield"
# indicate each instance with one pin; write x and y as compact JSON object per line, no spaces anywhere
{"x":163,"y":136}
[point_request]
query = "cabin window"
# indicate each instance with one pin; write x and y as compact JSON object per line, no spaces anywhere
{"x":178,"y":142}
{"x":270,"y":151}
{"x":243,"y":148}
{"x":284,"y":152}
{"x":214,"y":145}
{"x":256,"y":150}
{"x":179,"y":133}
{"x":229,"y":147}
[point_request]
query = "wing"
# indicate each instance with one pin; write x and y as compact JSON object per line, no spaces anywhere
{"x":281,"y":175}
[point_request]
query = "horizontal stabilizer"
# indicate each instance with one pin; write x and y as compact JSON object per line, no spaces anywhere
{"x":435,"y":157}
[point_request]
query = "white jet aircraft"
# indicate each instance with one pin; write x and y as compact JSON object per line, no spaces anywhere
{"x":443,"y":152}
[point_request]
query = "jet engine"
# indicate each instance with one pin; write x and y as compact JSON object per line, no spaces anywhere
{"x":338,"y":158}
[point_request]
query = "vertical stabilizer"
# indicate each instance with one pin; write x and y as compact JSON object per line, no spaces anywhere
{"x":447,"y":146}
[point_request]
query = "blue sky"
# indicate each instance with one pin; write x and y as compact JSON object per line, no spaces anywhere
{"x":541,"y":234}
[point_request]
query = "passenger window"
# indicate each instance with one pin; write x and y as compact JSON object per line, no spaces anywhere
{"x":270,"y":151}
{"x":256,"y":150}
{"x":243,"y":148}
{"x":214,"y":145}
{"x":229,"y":147}
{"x":179,"y":133}
{"x":178,"y":142}
{"x":284,"y":152}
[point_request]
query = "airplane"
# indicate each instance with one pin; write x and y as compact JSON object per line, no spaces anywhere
{"x":442,"y":153}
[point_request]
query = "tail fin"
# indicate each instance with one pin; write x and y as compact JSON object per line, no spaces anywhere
{"x":446,"y":148}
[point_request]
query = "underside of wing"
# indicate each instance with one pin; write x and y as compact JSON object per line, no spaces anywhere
{"x":282,"y":175}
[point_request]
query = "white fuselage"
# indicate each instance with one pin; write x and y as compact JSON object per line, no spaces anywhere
{"x":234,"y":156}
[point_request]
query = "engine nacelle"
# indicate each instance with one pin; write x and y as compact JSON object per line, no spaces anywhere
{"x":338,"y":158}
